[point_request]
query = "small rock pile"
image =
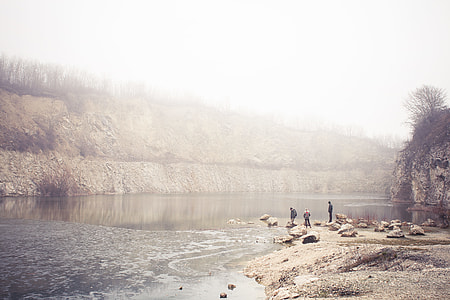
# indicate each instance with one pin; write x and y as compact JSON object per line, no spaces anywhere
{"x":344,"y":226}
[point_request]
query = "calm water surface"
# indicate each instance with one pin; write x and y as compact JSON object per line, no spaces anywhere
{"x":148,"y":246}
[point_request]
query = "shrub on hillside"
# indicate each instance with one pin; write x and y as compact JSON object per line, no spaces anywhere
{"x":57,"y":183}
{"x":15,"y":140}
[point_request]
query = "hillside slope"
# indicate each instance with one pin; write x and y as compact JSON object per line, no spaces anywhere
{"x":95,"y":144}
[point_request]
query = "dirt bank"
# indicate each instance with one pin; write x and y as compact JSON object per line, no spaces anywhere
{"x":369,"y":266}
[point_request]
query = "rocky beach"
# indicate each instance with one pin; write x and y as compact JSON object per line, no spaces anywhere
{"x":367,"y":264}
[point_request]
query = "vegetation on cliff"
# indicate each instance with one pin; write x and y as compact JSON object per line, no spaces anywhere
{"x":422,"y":172}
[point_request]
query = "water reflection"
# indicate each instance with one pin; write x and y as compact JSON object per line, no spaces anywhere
{"x":195,"y":211}
{"x":41,"y":257}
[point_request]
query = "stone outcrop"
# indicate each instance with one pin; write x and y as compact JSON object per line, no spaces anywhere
{"x":422,"y":172}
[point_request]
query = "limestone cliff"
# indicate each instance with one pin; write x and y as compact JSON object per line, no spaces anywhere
{"x":422,"y":173}
{"x":96,"y":144}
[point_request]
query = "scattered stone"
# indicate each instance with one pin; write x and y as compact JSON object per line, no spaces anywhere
{"x":298,"y":231}
{"x":397,"y":233}
{"x":317,"y":223}
{"x":429,"y":223}
{"x":334,"y":226}
{"x":223,"y":295}
{"x":384,"y":224}
{"x":272,"y":221}
{"x":231,"y":286}
{"x":264,"y":217}
{"x":280,"y":294}
{"x":180,"y":288}
{"x":305,"y":279}
{"x":235,"y":222}
{"x":284,"y":293}
{"x":341,"y":217}
{"x":312,"y":237}
{"x":395,"y":225}
{"x":416,"y":230}
{"x":379,"y":228}
{"x":362,"y":225}
{"x":444,"y":224}
{"x":289,"y":224}
{"x":283,"y":239}
{"x":351,"y":233}
{"x":345,"y":228}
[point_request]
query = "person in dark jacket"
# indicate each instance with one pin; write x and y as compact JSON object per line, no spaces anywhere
{"x":293,"y":215}
{"x":330,"y":211}
{"x":306,"y":215}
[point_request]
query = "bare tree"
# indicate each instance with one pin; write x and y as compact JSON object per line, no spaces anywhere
{"x":424,"y":103}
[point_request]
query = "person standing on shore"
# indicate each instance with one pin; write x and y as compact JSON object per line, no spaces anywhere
{"x":330,"y":211}
{"x":293,"y":215}
{"x":306,"y":215}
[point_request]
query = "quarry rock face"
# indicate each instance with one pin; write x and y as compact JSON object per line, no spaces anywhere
{"x":92,"y":144}
{"x":422,"y":172}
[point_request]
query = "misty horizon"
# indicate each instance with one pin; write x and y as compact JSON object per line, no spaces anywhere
{"x":347,"y":64}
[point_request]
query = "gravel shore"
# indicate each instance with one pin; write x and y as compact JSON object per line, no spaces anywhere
{"x":369,"y":266}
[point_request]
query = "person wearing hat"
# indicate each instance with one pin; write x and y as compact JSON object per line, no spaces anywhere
{"x":306,"y":215}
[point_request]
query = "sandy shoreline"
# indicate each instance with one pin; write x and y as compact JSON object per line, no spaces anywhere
{"x":369,"y":266}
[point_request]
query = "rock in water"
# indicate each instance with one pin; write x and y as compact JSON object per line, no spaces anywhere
{"x":264,"y":217}
{"x":272,"y":221}
{"x":283,"y":239}
{"x":223,"y":295}
{"x":231,"y":286}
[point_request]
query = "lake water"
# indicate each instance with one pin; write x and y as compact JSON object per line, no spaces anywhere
{"x":150,"y":246}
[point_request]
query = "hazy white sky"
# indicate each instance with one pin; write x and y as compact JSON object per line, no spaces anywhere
{"x":346,"y":62}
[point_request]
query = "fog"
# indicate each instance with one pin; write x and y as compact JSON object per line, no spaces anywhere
{"x":350,"y":63}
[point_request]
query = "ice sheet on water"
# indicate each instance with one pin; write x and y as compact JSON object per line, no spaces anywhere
{"x":65,"y":259}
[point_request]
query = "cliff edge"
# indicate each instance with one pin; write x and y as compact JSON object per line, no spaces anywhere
{"x":422,"y":172}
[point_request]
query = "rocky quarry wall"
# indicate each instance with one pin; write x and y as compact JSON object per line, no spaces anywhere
{"x":422,"y":173}
{"x":96,"y":145}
